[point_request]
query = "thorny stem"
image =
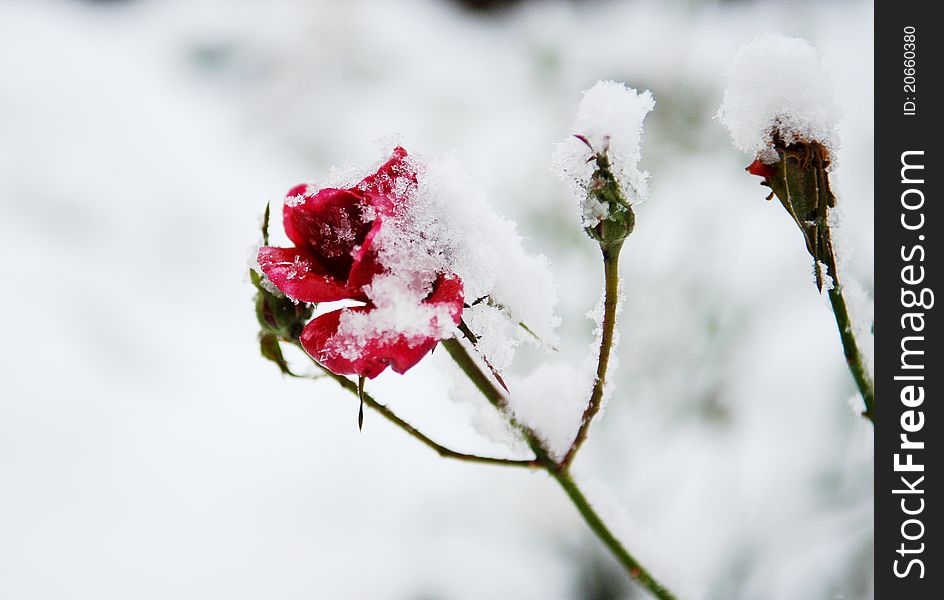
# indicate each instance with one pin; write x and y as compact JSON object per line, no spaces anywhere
{"x":542,"y":459}
{"x":391,"y":416}
{"x":495,"y":397}
{"x":560,"y":474}
{"x":467,"y":363}
{"x":850,"y":348}
{"x":474,"y":340}
{"x":610,"y":302}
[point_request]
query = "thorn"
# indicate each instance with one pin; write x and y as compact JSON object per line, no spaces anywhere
{"x":819,"y":276}
{"x":474,"y":339}
{"x":497,"y":375}
{"x":360,"y":410}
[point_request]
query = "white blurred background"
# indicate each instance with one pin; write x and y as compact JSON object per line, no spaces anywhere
{"x":147,"y":451}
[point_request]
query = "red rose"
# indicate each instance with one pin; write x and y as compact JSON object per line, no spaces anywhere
{"x":335,"y":257}
{"x":333,"y":232}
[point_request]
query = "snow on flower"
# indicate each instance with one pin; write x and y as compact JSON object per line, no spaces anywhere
{"x":410,"y":242}
{"x":337,"y":256}
{"x":333,"y":232}
{"x":609,"y":119}
{"x":356,"y":341}
{"x":776,"y":85}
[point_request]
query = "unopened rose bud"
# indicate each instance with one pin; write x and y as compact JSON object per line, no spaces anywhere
{"x":800,"y":180}
{"x":279,"y":315}
{"x":787,"y":119}
{"x":616,"y":217}
{"x":607,"y":180}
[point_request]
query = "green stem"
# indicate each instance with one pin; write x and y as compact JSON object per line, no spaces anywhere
{"x":471,"y":369}
{"x":391,"y":416}
{"x":474,"y":340}
{"x":467,"y":363}
{"x":801,"y":182}
{"x":610,"y":302}
{"x":629,"y":563}
{"x":850,"y":348}
{"x":478,"y":377}
{"x":632,"y":566}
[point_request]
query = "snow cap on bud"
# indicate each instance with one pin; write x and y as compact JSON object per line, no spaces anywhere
{"x":779,"y":92}
{"x":780,"y":106}
{"x":601,"y":159}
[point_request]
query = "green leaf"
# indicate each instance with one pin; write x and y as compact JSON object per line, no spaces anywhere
{"x":256,"y":279}
{"x":265,"y":226}
{"x":271,"y":350}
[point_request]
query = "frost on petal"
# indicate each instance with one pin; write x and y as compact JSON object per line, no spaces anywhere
{"x":414,"y":240}
{"x":366,"y":262}
{"x":316,"y":340}
{"x":330,"y":224}
{"x":390,"y":188}
{"x":776,"y":84}
{"x":300,"y":276}
{"x":401,"y":312}
{"x":609,"y":118}
{"x":449,"y":227}
{"x":364,"y":340}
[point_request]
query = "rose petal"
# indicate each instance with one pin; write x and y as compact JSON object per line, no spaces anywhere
{"x":392,"y":185}
{"x":320,"y":338}
{"x":329,"y":225}
{"x":317,"y":340}
{"x":366,"y":259}
{"x":761,"y":169}
{"x":300,"y":277}
{"x":448,"y":290}
{"x":404,"y":353}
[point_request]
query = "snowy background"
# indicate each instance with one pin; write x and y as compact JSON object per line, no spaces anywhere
{"x":147,"y":451}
